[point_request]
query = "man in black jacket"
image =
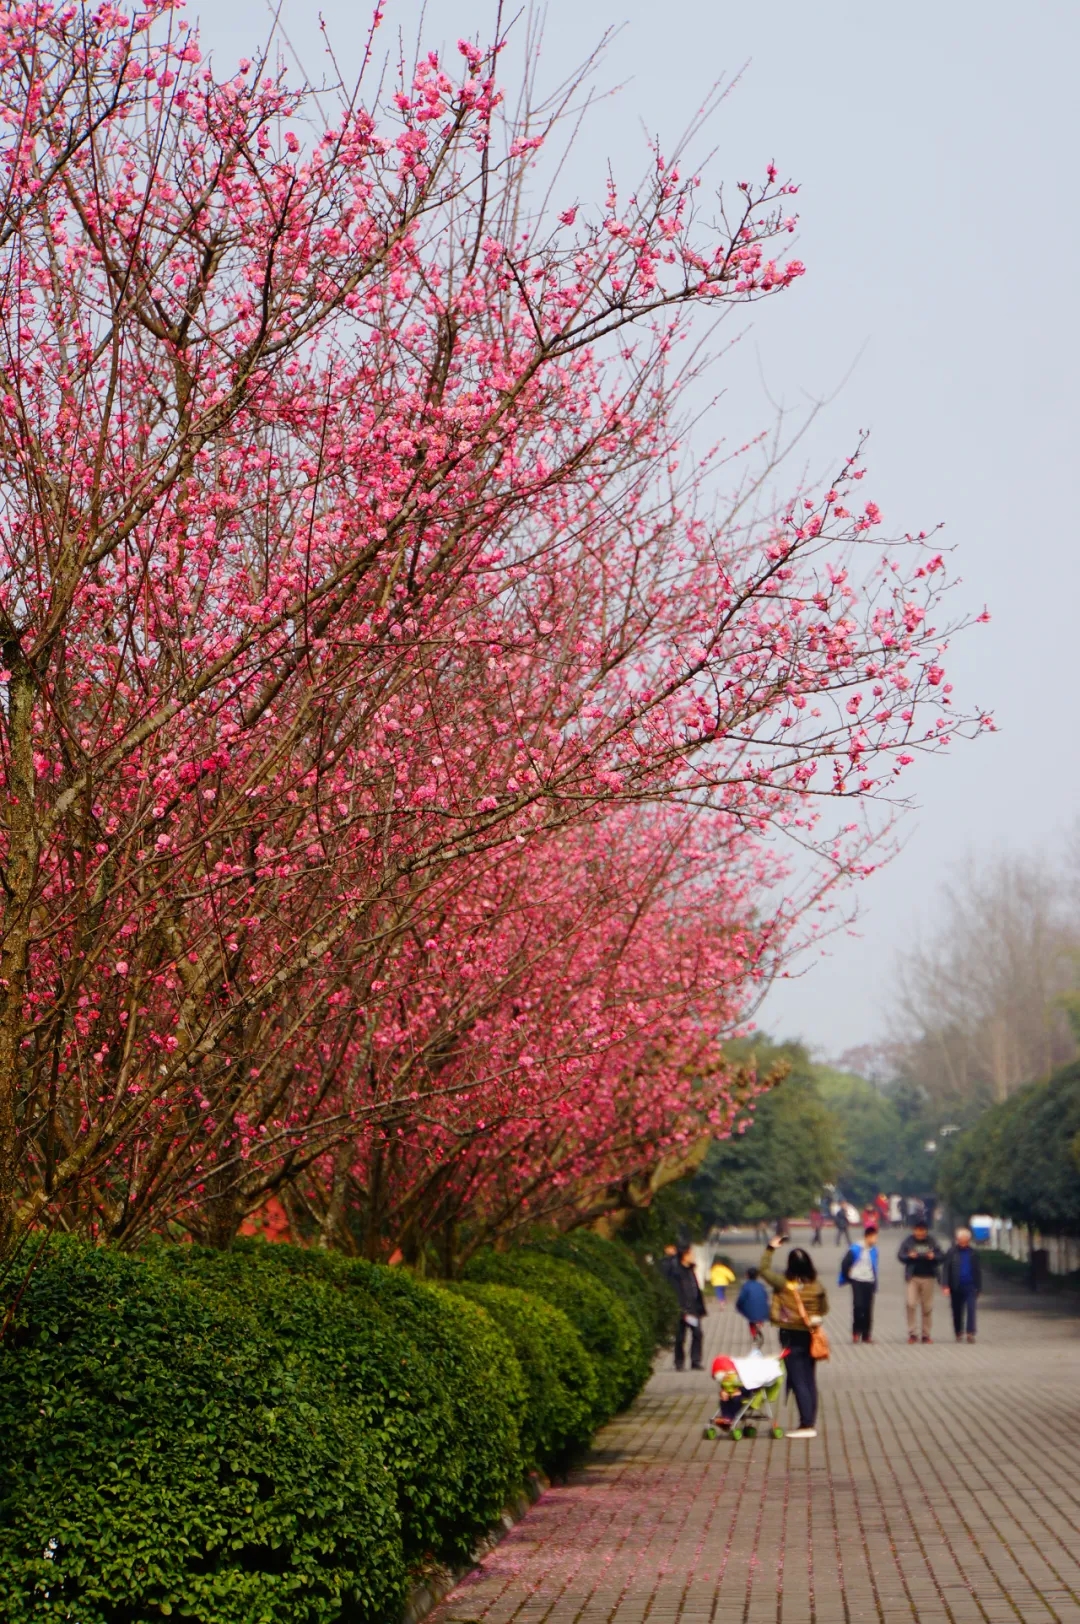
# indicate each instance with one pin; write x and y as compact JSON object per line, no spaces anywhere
{"x":691,"y":1310}
{"x":961,"y":1275}
{"x":922,"y":1258}
{"x":669,"y":1264}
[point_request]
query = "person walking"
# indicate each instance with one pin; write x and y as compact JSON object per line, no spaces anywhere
{"x":859,"y":1270}
{"x":753,"y":1304}
{"x":840,"y":1219}
{"x":691,"y":1311}
{"x":799,"y":1304}
{"x":961,"y":1276}
{"x":720,"y":1278}
{"x":817,"y":1218}
{"x":922,"y":1258}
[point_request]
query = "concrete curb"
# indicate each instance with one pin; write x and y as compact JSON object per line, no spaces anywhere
{"x":436,"y":1586}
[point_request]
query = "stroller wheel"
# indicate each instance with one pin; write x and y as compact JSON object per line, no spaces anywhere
{"x":751,"y":1432}
{"x":710,"y":1432}
{"x":736,"y":1432}
{"x":778,"y":1432}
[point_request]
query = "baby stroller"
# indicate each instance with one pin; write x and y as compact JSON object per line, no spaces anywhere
{"x":749,"y":1395}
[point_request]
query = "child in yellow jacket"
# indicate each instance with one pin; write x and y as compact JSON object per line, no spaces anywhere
{"x":720,"y":1277}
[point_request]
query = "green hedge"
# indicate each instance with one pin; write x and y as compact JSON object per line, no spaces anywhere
{"x":559,"y":1374}
{"x":274,"y":1434}
{"x":616,"y":1266}
{"x":476,"y":1365}
{"x":310,"y":1306}
{"x":607,"y":1327}
{"x":157,"y":1458}
{"x":477,"y":1379}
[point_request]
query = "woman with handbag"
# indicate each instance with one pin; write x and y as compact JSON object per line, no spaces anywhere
{"x":799,"y":1305}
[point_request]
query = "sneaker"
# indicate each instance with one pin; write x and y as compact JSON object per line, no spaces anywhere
{"x":855,"y":1337}
{"x":971,"y":1336}
{"x":912,"y":1337}
{"x":803,"y":1432}
{"x":868,"y":1339}
{"x":926,"y":1338}
{"x":959,"y":1337}
{"x":697,"y":1367}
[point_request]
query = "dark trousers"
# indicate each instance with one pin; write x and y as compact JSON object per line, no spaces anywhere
{"x":862,"y":1307}
{"x":801,"y":1373}
{"x":680,"y":1343}
{"x":964,"y":1299}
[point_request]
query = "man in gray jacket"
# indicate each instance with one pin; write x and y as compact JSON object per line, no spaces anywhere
{"x":922,"y":1258}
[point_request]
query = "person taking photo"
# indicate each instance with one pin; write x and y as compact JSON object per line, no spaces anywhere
{"x":799,"y":1305}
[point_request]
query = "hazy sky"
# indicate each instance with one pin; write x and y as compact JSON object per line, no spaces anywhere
{"x":936,"y":147}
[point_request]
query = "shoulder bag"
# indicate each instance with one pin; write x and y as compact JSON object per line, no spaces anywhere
{"x":819,"y":1342}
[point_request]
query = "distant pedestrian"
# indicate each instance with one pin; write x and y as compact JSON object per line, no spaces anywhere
{"x":868,"y":1216}
{"x":799,"y":1305}
{"x":691,"y":1311}
{"x":669,"y":1263}
{"x":882,"y":1205}
{"x":817,"y":1218}
{"x":720,"y":1278}
{"x":961,"y":1275}
{"x":859,"y":1270}
{"x":896,"y":1210}
{"x":753,"y":1304}
{"x":841,"y":1222}
{"x":922,"y":1258}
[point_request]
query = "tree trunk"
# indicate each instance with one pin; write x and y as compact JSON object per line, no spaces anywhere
{"x":18,"y":879}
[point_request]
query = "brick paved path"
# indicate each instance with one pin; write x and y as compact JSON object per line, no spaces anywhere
{"x":944,"y":1485}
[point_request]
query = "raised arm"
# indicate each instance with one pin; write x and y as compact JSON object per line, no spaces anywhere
{"x":766,"y":1271}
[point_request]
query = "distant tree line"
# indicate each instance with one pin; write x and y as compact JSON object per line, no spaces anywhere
{"x":816,"y":1128}
{"x":975,"y":1097}
{"x":1021,"y":1158}
{"x":983,"y":1007}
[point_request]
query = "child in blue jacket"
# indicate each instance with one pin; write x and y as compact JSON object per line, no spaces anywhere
{"x":753,"y":1304}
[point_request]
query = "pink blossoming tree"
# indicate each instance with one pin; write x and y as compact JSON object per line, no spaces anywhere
{"x":393,"y":738}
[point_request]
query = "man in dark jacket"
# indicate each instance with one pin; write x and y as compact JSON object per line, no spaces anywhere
{"x":961,"y":1275}
{"x":669,"y":1264}
{"x":691,"y":1311}
{"x":922,"y":1257}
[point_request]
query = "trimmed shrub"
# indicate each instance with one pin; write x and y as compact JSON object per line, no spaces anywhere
{"x":475,"y":1365}
{"x":602,"y":1320}
{"x":475,"y":1375}
{"x":158,"y":1457}
{"x":306,"y":1309}
{"x":559,"y":1375}
{"x":615,"y":1266}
